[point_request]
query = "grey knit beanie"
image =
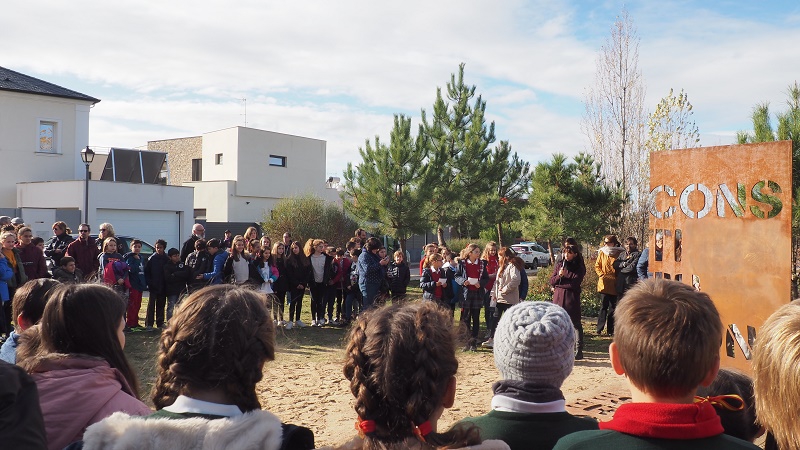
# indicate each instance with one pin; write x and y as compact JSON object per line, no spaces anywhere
{"x":535,"y":342}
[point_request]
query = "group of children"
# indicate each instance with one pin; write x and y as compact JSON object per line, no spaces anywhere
{"x":400,"y":362}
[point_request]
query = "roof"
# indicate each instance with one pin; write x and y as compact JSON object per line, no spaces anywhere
{"x":15,"y":81}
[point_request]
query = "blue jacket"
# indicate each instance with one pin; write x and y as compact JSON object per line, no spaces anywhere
{"x":6,"y":274}
{"x":641,"y":266}
{"x":369,"y":270}
{"x":136,"y":274}
{"x":216,"y":267}
{"x":523,"y":284}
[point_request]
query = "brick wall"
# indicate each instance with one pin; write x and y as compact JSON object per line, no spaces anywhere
{"x":181,"y":151}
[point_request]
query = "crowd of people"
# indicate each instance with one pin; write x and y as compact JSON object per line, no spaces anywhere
{"x":66,"y":383}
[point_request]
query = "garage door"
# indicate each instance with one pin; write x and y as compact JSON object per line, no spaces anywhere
{"x":145,"y":225}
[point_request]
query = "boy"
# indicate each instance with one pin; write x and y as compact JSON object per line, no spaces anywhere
{"x":176,"y":274}
{"x":68,"y":272}
{"x":399,"y":276}
{"x":138,"y":285}
{"x":534,"y":347}
{"x":667,"y":345}
{"x":198,"y":262}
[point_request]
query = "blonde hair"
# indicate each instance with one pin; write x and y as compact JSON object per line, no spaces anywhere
{"x":668,"y":337}
{"x":6,"y":234}
{"x":489,"y":245}
{"x":107,"y":240}
{"x":776,"y":363}
{"x":430,"y":259}
{"x":311,"y":246}
{"x":469,"y":249}
{"x":109,"y":229}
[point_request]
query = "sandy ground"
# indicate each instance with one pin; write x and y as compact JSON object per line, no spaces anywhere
{"x":305,"y":386}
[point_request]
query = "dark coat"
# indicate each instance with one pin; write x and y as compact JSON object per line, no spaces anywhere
{"x":281,"y":284}
{"x":399,"y":276}
{"x":428,"y":286}
{"x":154,"y":272}
{"x":85,"y":254}
{"x":625,"y":266}
{"x":188,"y":246}
{"x":298,"y":271}
{"x":567,"y":288}
{"x":33,"y":261}
{"x":175,"y":277}
{"x":57,"y":243}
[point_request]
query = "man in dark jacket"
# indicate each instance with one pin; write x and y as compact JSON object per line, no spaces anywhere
{"x":57,"y":245}
{"x":85,"y":252}
{"x":198,"y":232}
{"x":154,"y":274}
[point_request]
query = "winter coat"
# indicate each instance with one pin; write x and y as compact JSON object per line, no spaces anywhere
{"x":6,"y":274}
{"x":138,"y":280}
{"x":76,"y":391}
{"x":604,"y":267}
{"x":298,"y":271}
{"x":642,"y":265}
{"x":59,"y":242}
{"x":280,"y":285}
{"x":369,"y":271}
{"x":461,"y":275}
{"x":255,"y":430}
{"x":217,"y":264}
{"x":154,"y":273}
{"x":85,"y":254}
{"x":523,"y":284}
{"x":506,"y":286}
{"x":65,"y":277}
{"x":399,"y":276}
{"x":175,"y":278}
{"x":428,"y":286}
{"x":21,"y":424}
{"x":625,"y":265}
{"x":567,"y":287}
{"x":33,"y":261}
{"x":327,"y":270}
{"x":198,"y":262}
{"x":188,"y":246}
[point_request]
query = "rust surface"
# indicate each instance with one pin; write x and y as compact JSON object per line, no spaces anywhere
{"x":742,"y":261}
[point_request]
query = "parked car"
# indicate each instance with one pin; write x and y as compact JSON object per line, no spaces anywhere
{"x":123,"y":246}
{"x":533,"y":254}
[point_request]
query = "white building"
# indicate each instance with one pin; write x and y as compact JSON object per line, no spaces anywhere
{"x":43,"y":128}
{"x":239,"y":174}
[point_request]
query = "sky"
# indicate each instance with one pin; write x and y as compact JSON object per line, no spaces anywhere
{"x":339,"y":70}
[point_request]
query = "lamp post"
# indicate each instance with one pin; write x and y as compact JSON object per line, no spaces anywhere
{"x":87,"y":156}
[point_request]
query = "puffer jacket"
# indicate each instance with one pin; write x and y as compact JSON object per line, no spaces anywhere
{"x":604,"y":267}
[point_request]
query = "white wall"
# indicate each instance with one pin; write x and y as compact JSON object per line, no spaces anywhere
{"x":225,"y":142}
{"x":19,"y":130}
{"x":110,"y":195}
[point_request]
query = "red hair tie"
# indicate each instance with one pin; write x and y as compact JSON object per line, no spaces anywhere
{"x":423,"y":430}
{"x":364,"y":426}
{"x":723,"y":401}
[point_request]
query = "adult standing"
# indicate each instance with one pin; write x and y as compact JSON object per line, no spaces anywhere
{"x":644,"y":259}
{"x":84,"y":250}
{"x":198,"y":232}
{"x":56,"y":247}
{"x":566,"y":282}
{"x":154,"y":274}
{"x":370,"y":271}
{"x":32,"y":256}
{"x":607,"y":282}
{"x":287,"y":241}
{"x":106,"y":230}
{"x":625,"y":265}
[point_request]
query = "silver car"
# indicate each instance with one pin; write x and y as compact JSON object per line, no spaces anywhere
{"x":533,"y":254}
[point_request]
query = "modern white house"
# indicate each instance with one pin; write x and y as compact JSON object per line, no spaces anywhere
{"x":239,"y":174}
{"x":43,"y":128}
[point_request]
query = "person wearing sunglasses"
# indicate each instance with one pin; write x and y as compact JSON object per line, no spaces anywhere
{"x":57,"y":245}
{"x":85,"y":251}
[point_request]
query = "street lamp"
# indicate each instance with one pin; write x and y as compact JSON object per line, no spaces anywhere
{"x":87,"y":156}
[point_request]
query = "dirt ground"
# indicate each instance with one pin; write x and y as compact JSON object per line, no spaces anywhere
{"x":305,"y":384}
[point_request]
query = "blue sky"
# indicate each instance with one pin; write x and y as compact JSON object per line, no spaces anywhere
{"x":337,"y":71}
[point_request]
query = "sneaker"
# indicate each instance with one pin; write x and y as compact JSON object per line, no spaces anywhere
{"x":288,"y":325}
{"x":126,"y":330}
{"x":489,"y":343}
{"x":579,"y":355}
{"x":281,"y":323}
{"x":314,"y":323}
{"x":275,"y":322}
{"x":149,"y":328}
{"x":299,"y":324}
{"x":137,"y":329}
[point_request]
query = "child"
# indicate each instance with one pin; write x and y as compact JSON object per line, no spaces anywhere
{"x":115,"y":271}
{"x":428,"y":250}
{"x":198,"y":262}
{"x":533,"y":351}
{"x":210,"y":358}
{"x":138,"y":284}
{"x":339,"y":282}
{"x":401,"y":364}
{"x":451,"y":265}
{"x":79,"y":367}
{"x":776,"y":363}
{"x":278,"y":260}
{"x":352,"y":300}
{"x":28,"y":306}
{"x":298,"y":272}
{"x":68,"y":272}
{"x":667,"y":345}
{"x":505,"y":291}
{"x":176,"y":274}
{"x":321,"y":264}
{"x":6,"y":274}
{"x":492,"y":264}
{"x":732,"y":395}
{"x":399,"y":276}
{"x":473,"y":275}
{"x":237,"y":266}
{"x":268,"y":273}
{"x":435,"y":284}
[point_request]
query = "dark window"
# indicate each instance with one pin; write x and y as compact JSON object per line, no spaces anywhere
{"x":277,"y":161}
{"x":200,"y":214}
{"x":218,"y":159}
{"x":197,"y":169}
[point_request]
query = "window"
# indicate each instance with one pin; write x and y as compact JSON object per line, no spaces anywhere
{"x":218,"y":159}
{"x":49,"y":137}
{"x":197,"y":169}
{"x":277,"y":161}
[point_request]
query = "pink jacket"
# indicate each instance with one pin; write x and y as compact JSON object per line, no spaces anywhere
{"x":76,"y":391}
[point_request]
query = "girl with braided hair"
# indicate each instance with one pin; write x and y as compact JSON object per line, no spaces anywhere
{"x":401,"y":364}
{"x":210,"y":358}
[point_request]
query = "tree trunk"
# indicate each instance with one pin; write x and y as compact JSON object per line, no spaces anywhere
{"x":550,"y":250}
{"x":500,"y":235}
{"x":440,"y":236}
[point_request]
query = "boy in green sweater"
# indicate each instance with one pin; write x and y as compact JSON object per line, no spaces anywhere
{"x":534,"y":350}
{"x":666,"y":345}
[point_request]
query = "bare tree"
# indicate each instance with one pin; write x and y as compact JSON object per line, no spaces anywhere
{"x":615,"y":121}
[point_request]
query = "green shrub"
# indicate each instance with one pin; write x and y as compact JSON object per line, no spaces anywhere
{"x":456,"y":245}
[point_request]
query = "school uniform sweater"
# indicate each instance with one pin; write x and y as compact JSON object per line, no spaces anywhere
{"x":643,"y":426}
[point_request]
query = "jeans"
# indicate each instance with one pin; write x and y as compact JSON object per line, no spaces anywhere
{"x":295,"y":303}
{"x":352,"y":303}
{"x":369,"y":292}
{"x":498,"y":311}
{"x":172,"y":300}
{"x":319,"y":293}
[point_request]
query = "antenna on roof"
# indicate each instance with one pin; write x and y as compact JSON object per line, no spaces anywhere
{"x":245,"y":111}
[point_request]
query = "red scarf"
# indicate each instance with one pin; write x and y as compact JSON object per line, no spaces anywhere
{"x":666,"y":420}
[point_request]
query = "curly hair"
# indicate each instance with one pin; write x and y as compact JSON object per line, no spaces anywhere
{"x":219,"y":338}
{"x":399,"y":361}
